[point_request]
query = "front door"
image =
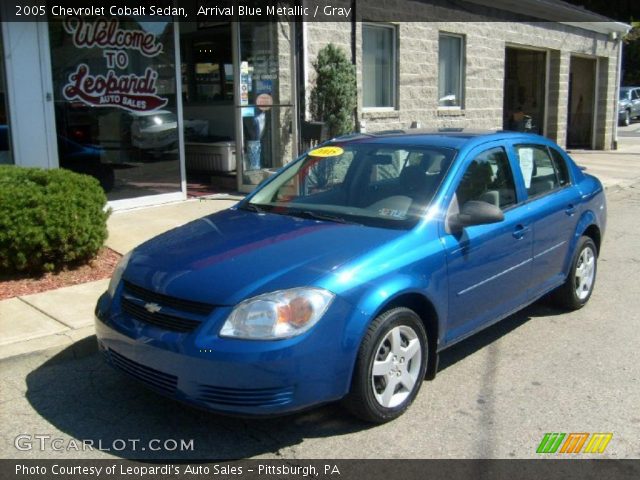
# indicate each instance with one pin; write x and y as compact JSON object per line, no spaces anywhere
{"x":489,"y":266}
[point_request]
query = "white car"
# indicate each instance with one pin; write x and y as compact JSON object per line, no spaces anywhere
{"x":154,"y":131}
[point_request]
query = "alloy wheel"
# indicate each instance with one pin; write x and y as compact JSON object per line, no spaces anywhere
{"x":396,"y":366}
{"x":585,"y":273}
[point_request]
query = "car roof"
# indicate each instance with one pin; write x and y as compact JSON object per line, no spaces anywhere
{"x":446,"y":137}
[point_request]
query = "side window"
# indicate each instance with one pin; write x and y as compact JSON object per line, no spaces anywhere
{"x":538,"y":170}
{"x":560,"y":164}
{"x":488,"y":178}
{"x":634,"y":94}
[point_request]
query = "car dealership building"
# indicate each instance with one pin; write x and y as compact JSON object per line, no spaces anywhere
{"x":151,"y":106}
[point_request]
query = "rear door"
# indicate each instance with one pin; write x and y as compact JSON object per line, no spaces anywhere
{"x":552,"y":201}
{"x":489,"y":266}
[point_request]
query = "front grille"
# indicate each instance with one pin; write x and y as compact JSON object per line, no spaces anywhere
{"x":162,"y":320}
{"x":156,"y":379}
{"x":245,"y":397}
{"x":190,"y":306}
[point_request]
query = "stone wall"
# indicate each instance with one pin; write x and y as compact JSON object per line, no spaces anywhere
{"x":485,"y":42}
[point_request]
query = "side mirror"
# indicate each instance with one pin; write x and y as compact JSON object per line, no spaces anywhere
{"x":475,"y":212}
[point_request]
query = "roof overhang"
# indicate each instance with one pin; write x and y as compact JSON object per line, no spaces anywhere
{"x":560,"y":12}
{"x":602,"y":27}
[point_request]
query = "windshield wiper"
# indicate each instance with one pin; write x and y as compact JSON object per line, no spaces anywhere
{"x":252,"y":207}
{"x":317,"y":216}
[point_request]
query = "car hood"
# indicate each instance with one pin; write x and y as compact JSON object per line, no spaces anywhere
{"x":226,"y":257}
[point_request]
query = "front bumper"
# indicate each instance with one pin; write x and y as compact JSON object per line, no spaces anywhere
{"x":245,"y":377}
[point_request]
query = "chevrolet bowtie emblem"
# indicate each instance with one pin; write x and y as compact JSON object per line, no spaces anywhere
{"x":152,"y":307}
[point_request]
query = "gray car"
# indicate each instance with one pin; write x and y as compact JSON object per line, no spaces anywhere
{"x":628,"y":105}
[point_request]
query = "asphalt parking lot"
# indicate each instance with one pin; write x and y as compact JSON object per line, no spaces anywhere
{"x":495,"y":396}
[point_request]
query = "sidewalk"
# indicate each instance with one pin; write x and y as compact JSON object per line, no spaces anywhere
{"x":616,"y":168}
{"x":59,"y":318}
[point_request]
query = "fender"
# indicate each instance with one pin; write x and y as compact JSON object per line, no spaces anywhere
{"x":587,"y":219}
{"x":376,"y":300}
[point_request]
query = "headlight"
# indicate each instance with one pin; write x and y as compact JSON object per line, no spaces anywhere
{"x":281,"y":314}
{"x":117,"y":274}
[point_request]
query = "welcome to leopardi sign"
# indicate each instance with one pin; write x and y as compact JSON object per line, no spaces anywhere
{"x":129,"y":91}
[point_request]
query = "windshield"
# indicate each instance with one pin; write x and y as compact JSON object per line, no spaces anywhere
{"x":376,"y":185}
{"x":624,"y":94}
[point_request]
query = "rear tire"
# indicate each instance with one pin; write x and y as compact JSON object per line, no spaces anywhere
{"x":577,"y":289}
{"x":390,"y":367}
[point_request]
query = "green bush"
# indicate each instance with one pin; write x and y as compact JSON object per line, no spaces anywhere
{"x":333,"y":98}
{"x":49,"y":219}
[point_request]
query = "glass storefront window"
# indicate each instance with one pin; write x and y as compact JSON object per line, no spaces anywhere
{"x":115,"y":102}
{"x":265,"y":99}
{"x":5,"y":144}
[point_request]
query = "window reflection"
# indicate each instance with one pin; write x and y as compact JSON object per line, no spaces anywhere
{"x":115,"y":105}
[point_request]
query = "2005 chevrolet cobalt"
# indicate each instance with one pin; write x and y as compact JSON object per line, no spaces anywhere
{"x":344,"y":275}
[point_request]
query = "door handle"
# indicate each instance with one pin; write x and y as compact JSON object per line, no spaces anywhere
{"x":570,"y":210}
{"x":520,"y":231}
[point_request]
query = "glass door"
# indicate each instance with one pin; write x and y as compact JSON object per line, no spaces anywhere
{"x":265,"y":130}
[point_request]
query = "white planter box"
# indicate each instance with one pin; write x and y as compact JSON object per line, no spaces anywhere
{"x":210,"y":157}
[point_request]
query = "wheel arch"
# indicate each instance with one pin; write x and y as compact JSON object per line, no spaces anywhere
{"x":428,"y":313}
{"x":593,"y":232}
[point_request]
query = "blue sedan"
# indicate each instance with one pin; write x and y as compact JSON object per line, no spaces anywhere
{"x":346,"y":274}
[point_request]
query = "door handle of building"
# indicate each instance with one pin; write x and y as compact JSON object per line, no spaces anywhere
{"x":519,"y":232}
{"x":570,"y":210}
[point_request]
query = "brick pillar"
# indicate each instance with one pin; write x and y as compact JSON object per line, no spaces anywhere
{"x":607,"y":103}
{"x":558,"y":96}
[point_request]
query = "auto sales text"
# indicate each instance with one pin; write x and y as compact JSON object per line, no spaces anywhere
{"x":168,"y":469}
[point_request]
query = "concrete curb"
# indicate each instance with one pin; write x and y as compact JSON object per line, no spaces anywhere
{"x":68,"y":341}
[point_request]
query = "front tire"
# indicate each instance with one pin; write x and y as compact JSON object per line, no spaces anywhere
{"x":577,"y":289}
{"x":626,"y":120}
{"x":390,"y":367}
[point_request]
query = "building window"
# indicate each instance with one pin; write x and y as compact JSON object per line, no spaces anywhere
{"x":378,"y":66}
{"x":450,"y":70}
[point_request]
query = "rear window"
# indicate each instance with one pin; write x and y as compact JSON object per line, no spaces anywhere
{"x":543,"y":169}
